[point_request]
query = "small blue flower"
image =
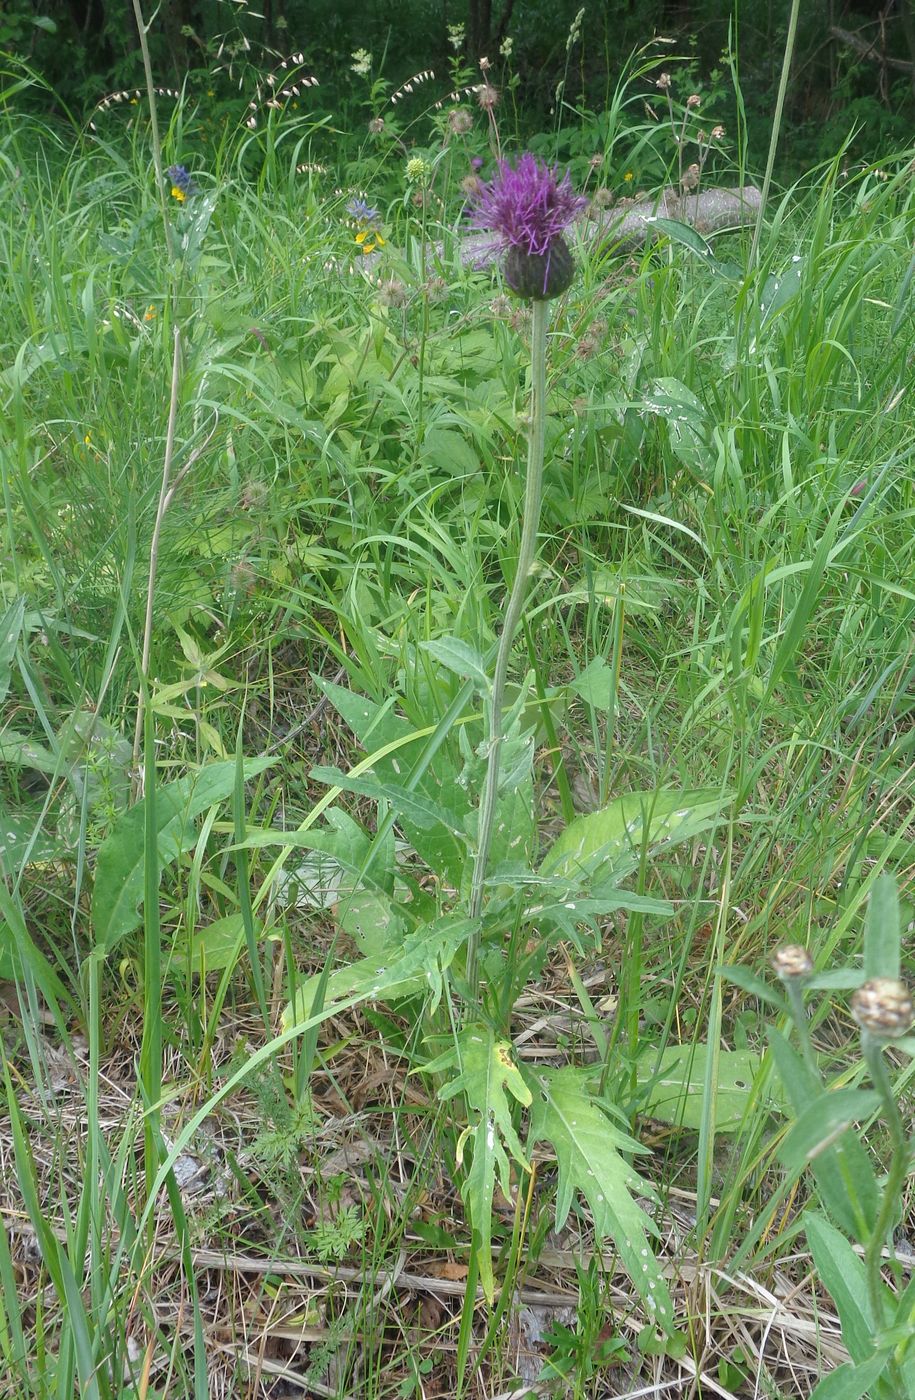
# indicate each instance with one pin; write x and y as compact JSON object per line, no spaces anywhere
{"x":362,"y":211}
{"x":183,"y":184}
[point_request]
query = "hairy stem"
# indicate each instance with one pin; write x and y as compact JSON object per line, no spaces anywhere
{"x":529,"y":527}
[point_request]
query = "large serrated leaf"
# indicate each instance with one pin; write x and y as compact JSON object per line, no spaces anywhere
{"x":419,"y":964}
{"x":119,"y":873}
{"x":488,"y":1079}
{"x":614,"y":836}
{"x":589,"y":1156}
{"x":376,"y":727}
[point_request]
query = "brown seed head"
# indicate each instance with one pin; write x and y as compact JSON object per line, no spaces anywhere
{"x":487,"y":97}
{"x":663,"y":82}
{"x":694,"y":100}
{"x":791,"y":962}
{"x":717,"y":133}
{"x":883,"y":1007}
{"x":460,"y":121}
{"x":376,"y":126}
{"x":690,"y":179}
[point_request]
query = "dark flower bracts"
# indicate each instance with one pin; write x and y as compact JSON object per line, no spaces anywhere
{"x":529,"y":207}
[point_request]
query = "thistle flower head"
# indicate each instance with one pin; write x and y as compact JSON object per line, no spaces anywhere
{"x":529,"y":208}
{"x":883,"y":1007}
{"x":791,"y":962}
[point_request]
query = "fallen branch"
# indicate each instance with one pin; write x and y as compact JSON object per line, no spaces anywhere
{"x":628,"y":224}
{"x":869,"y":50}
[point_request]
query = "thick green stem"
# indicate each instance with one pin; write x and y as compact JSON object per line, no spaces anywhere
{"x":893,"y":1186}
{"x":529,"y":527}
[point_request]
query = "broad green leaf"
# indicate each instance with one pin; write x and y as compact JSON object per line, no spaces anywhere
{"x":685,"y":417}
{"x":842,"y":1171}
{"x":822,"y":1122}
{"x":376,"y":727}
{"x":457,"y":656}
{"x":449,"y":452}
{"x":851,"y":1382}
{"x":687,"y":235}
{"x":595,"y":684}
{"x":344,"y":845}
{"x":843,"y":1274}
{"x":371,"y":920}
{"x":118,"y":888}
{"x":748,"y":981}
{"x":20,"y":843}
{"x":22,"y":752}
{"x":881,"y":934}
{"x":780,"y":288}
{"x":488,"y":1079}
{"x":418,"y":964}
{"x":420,"y":809}
{"x":218,"y":945}
{"x":674,"y":1085}
{"x":615,"y":835}
{"x":10,"y":631}
{"x":589,"y":1157}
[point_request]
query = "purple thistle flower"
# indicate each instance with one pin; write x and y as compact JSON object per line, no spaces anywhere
{"x":529,"y":207}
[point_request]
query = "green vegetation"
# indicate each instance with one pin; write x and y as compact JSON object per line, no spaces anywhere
{"x":280,"y":1108}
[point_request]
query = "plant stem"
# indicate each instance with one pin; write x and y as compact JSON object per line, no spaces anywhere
{"x":153,"y":122}
{"x":872,"y":1050}
{"x":776,"y":126}
{"x":165,"y":495}
{"x":530,"y":524}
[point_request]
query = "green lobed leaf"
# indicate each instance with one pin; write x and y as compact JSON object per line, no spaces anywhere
{"x":589,"y":1157}
{"x":615,"y":835}
{"x":418,"y":964}
{"x":376,"y":727}
{"x":118,"y":888}
{"x":488,"y":1079}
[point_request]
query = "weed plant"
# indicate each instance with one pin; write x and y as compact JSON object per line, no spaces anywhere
{"x":239,"y":824}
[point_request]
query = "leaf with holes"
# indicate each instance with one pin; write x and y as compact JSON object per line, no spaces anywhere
{"x":614,"y":836}
{"x":589,"y":1155}
{"x":488,"y":1079}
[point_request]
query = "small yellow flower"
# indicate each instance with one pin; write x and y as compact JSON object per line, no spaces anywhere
{"x":210,"y":92}
{"x":369,"y":239}
{"x":150,"y":314}
{"x":629,"y":177}
{"x":178,"y":194}
{"x":88,"y":439}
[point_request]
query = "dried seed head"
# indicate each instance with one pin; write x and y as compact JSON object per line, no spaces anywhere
{"x":460,"y":121}
{"x":487,"y":97}
{"x":663,"y":82}
{"x":694,"y":100}
{"x":883,"y":1007}
{"x":392,"y":293}
{"x":791,"y":962}
{"x":501,"y":306}
{"x":602,"y":198}
{"x":717,"y":133}
{"x":376,"y":126}
{"x":690,"y":180}
{"x":471,"y":185}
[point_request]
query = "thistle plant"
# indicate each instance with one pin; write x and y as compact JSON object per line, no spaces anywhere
{"x":858,"y":1207}
{"x":529,"y":209}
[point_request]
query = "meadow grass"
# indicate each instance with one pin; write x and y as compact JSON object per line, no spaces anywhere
{"x":724,"y":601}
